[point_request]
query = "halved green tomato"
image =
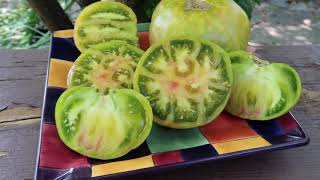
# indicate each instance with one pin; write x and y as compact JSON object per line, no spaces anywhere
{"x":106,"y":66}
{"x":103,"y":126}
{"x":187,"y":82}
{"x":104,"y":21}
{"x":262,"y":90}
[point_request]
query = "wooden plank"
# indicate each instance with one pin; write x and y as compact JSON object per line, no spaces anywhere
{"x":22,"y":81}
{"x":18,"y":149}
{"x":18,"y":115}
{"x":18,"y":143}
{"x":22,"y":76}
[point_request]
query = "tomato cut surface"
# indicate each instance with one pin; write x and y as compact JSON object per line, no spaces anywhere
{"x":103,"y":126}
{"x":104,"y":21}
{"x":262,"y":90}
{"x":105,"y":66}
{"x":187,"y":82}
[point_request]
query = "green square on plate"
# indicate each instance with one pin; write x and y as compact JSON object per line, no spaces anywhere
{"x":162,"y":139}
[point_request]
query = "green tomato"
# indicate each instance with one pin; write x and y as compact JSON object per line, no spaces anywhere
{"x":220,"y":21}
{"x":104,"y":21}
{"x":102,"y":126}
{"x":106,"y":66}
{"x":261,"y":90}
{"x":187,"y":82}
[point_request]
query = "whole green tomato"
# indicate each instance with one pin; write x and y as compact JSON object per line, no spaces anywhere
{"x":102,"y":126}
{"x":261,"y":90}
{"x":221,"y":21}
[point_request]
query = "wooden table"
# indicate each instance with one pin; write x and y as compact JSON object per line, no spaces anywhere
{"x":22,"y":81}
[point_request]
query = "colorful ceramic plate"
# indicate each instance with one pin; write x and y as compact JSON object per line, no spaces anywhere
{"x":226,"y":137}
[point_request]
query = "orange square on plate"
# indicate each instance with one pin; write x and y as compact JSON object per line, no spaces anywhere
{"x":58,"y":72}
{"x":64,"y":33}
{"x":227,"y":127}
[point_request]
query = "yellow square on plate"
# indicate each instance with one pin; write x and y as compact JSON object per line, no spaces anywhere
{"x":122,"y":166}
{"x":240,"y":145}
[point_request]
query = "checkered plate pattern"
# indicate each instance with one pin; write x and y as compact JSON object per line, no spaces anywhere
{"x":226,"y":137}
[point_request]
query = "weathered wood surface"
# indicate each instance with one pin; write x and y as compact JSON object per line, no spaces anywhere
{"x":22,"y":79}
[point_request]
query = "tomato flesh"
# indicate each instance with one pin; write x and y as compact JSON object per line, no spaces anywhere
{"x":106,"y":66}
{"x":105,"y":21}
{"x":262,"y":90}
{"x":186,"y":81}
{"x":102,"y":126}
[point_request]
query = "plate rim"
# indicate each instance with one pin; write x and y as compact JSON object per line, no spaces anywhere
{"x":42,"y":110}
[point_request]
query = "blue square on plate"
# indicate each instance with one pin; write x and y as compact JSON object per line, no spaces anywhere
{"x":77,"y":173}
{"x":200,"y":152}
{"x":52,"y":96}
{"x":64,"y":48}
{"x":267,"y":128}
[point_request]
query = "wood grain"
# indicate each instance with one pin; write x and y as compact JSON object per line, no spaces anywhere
{"x":22,"y":82}
{"x":22,"y":79}
{"x":18,"y":115}
{"x":22,"y":76}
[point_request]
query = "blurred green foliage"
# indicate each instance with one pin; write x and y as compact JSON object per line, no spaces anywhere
{"x":21,"y":27}
{"x":248,"y":5}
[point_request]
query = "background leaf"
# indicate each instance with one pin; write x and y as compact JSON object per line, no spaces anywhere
{"x":248,"y":5}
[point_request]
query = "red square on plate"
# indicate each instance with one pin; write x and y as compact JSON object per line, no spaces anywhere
{"x":167,"y":158}
{"x":144,"y":40}
{"x":287,"y":122}
{"x":54,"y":154}
{"x":227,"y":127}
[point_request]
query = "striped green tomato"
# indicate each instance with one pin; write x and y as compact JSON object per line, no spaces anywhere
{"x":261,"y":90}
{"x":102,"y":126}
{"x":104,"y":21}
{"x":221,"y":21}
